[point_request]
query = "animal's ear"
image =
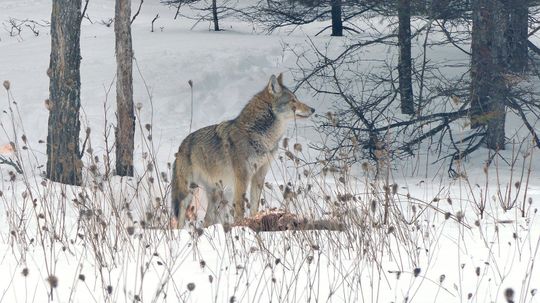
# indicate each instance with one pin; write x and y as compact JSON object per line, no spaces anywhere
{"x":273,"y":86}
{"x":280,"y":79}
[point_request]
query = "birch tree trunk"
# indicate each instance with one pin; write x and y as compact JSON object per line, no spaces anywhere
{"x":125,"y":130}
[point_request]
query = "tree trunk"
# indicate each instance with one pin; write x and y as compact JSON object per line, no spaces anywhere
{"x":489,"y":63}
{"x":405,"y":62}
{"x":63,"y":157}
{"x":125,"y":130}
{"x":215,"y":15}
{"x":518,"y":35}
{"x":337,"y":22}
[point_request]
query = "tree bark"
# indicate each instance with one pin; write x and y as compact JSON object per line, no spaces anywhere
{"x":63,"y":157}
{"x":405,"y":61}
{"x":125,"y":130}
{"x":215,"y":15}
{"x":489,"y":64}
{"x":518,"y":35}
{"x":337,"y":22}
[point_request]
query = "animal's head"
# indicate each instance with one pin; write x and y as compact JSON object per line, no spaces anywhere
{"x":285,"y":104}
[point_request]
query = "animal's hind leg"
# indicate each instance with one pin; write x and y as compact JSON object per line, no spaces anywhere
{"x":180,"y":200}
{"x":214,"y":198}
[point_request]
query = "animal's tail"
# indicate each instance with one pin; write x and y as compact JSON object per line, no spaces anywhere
{"x":175,"y":203}
{"x":179,"y":193}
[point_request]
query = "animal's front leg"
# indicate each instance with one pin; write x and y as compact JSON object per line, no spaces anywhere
{"x":240,"y":188}
{"x":257,"y":183}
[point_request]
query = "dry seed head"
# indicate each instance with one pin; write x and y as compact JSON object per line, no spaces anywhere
{"x":285,"y":143}
{"x":190,"y":83}
{"x":365,"y":166}
{"x":509,"y":295}
{"x":441,"y":278}
{"x":53,"y":281}
{"x":25,"y":272}
{"x":148,"y":126}
{"x":460,"y":215}
{"x":191,"y":286}
{"x":290,"y":155}
{"x":7,"y":84}
{"x":48,"y":104}
{"x":394,"y":188}
{"x":82,"y":277}
{"x":139,"y":106}
{"x":298,"y":147}
{"x":109,"y":289}
{"x":416,"y":272}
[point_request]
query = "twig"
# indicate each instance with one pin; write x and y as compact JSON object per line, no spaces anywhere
{"x":84,"y":9}
{"x":16,"y":165}
{"x":154,"y":20}
{"x":138,"y":11}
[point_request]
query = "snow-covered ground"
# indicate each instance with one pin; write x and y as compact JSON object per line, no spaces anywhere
{"x":88,"y":244}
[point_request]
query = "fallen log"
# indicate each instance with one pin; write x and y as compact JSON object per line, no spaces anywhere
{"x":280,"y":220}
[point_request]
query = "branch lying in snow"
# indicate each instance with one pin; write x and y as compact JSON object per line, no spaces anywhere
{"x":15,"y":164}
{"x":279,"y":220}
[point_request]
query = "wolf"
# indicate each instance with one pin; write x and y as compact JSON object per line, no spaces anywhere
{"x":234,"y":154}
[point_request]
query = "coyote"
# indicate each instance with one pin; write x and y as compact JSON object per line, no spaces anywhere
{"x":234,"y":154}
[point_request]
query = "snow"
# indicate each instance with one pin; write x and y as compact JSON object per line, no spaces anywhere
{"x":81,"y":233}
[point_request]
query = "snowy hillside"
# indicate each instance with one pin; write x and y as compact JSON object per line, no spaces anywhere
{"x":467,"y":239}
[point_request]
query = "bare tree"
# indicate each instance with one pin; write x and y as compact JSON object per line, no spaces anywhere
{"x":63,"y":157}
{"x":207,"y":10}
{"x":337,"y":21}
{"x":517,"y":34}
{"x":405,"y":62}
{"x":278,"y":14}
{"x":488,"y":67}
{"x":125,"y":130}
